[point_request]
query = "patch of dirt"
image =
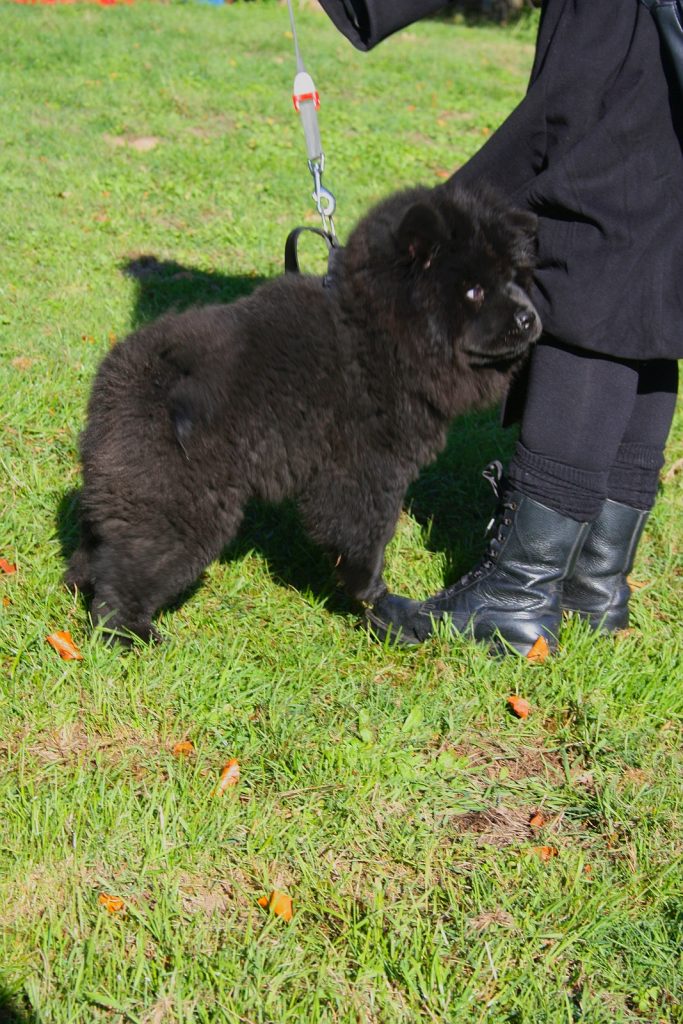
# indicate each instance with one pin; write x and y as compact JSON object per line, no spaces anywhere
{"x":163,"y":1010}
{"x":205,"y":897}
{"x":357,"y":876}
{"x":42,"y":887}
{"x":499,"y":826}
{"x":482,"y":922}
{"x":235,"y":894}
{"x":68,"y":742}
{"x":22,"y":362}
{"x":392,"y":675}
{"x":142,"y":143}
{"x":634,"y":778}
{"x":492,"y":754}
{"x":72,"y":742}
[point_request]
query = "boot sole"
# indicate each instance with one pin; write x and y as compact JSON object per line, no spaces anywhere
{"x":608,"y":622}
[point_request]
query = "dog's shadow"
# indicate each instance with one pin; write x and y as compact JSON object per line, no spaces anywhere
{"x":450,"y":500}
{"x":14,"y":1009}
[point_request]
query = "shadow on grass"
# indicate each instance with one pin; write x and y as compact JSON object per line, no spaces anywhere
{"x":165,"y":285}
{"x":14,"y":1009}
{"x":450,"y":500}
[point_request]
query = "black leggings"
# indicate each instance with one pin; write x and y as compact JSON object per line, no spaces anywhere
{"x":593,"y":427}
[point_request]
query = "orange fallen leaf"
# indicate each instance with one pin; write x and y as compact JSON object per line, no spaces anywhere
{"x":7,"y":567}
{"x":545,"y":852}
{"x":279,"y":903}
{"x":230,"y":776}
{"x":112,"y":904}
{"x":6,"y":602}
{"x":635,"y":584}
{"x":587,"y":869}
{"x":183,"y":748}
{"x":63,"y":644}
{"x":537,"y":820}
{"x":441,"y":172}
{"x":539,"y":652}
{"x":22,"y":363}
{"x":520,"y":706}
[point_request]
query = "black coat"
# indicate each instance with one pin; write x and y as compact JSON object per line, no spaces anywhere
{"x":593,"y":149}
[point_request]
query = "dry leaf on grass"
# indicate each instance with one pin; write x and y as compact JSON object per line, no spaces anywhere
{"x":636,"y":584}
{"x":7,"y":567}
{"x":112,"y":904}
{"x":519,"y":706}
{"x":278,"y":903}
{"x":539,"y":652}
{"x":230,"y":776}
{"x":183,"y":748}
{"x":63,"y":644}
{"x":537,"y":820}
{"x":545,"y":853}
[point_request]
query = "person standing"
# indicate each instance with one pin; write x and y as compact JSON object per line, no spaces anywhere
{"x":594,"y":150}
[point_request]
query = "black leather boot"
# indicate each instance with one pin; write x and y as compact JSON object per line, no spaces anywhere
{"x":515,"y":592}
{"x":598,"y":590}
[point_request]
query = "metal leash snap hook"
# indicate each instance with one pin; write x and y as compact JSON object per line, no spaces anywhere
{"x":325,"y":202}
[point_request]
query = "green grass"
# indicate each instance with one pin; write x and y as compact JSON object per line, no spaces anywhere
{"x":388,"y":792}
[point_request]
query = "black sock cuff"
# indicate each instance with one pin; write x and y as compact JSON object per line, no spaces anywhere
{"x":634,"y":477}
{"x":577,"y":493}
{"x":639,"y":456}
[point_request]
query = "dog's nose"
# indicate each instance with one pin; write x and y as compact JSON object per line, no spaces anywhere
{"x":525,"y":319}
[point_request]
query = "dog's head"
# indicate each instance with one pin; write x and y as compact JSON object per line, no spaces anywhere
{"x":455,"y":267}
{"x":470,"y":260}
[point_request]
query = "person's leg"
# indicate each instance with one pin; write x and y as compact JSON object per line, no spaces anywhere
{"x":598,"y":588}
{"x":576,"y":414}
{"x":634,"y":474}
{"x":577,"y":409}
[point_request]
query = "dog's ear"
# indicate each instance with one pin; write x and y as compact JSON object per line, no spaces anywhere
{"x":524,"y":228}
{"x":420,"y":233}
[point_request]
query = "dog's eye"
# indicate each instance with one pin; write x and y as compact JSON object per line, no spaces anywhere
{"x":475,"y":295}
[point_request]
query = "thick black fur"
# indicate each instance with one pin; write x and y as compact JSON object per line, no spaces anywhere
{"x":333,"y":396}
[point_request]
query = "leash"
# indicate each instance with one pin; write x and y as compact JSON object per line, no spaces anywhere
{"x":306,"y":100}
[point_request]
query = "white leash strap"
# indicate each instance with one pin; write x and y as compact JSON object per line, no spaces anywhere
{"x":306,"y":102}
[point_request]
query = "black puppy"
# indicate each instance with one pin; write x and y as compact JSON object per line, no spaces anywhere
{"x":333,"y":396}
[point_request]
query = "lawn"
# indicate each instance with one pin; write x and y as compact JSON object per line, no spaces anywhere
{"x":151,"y":158}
